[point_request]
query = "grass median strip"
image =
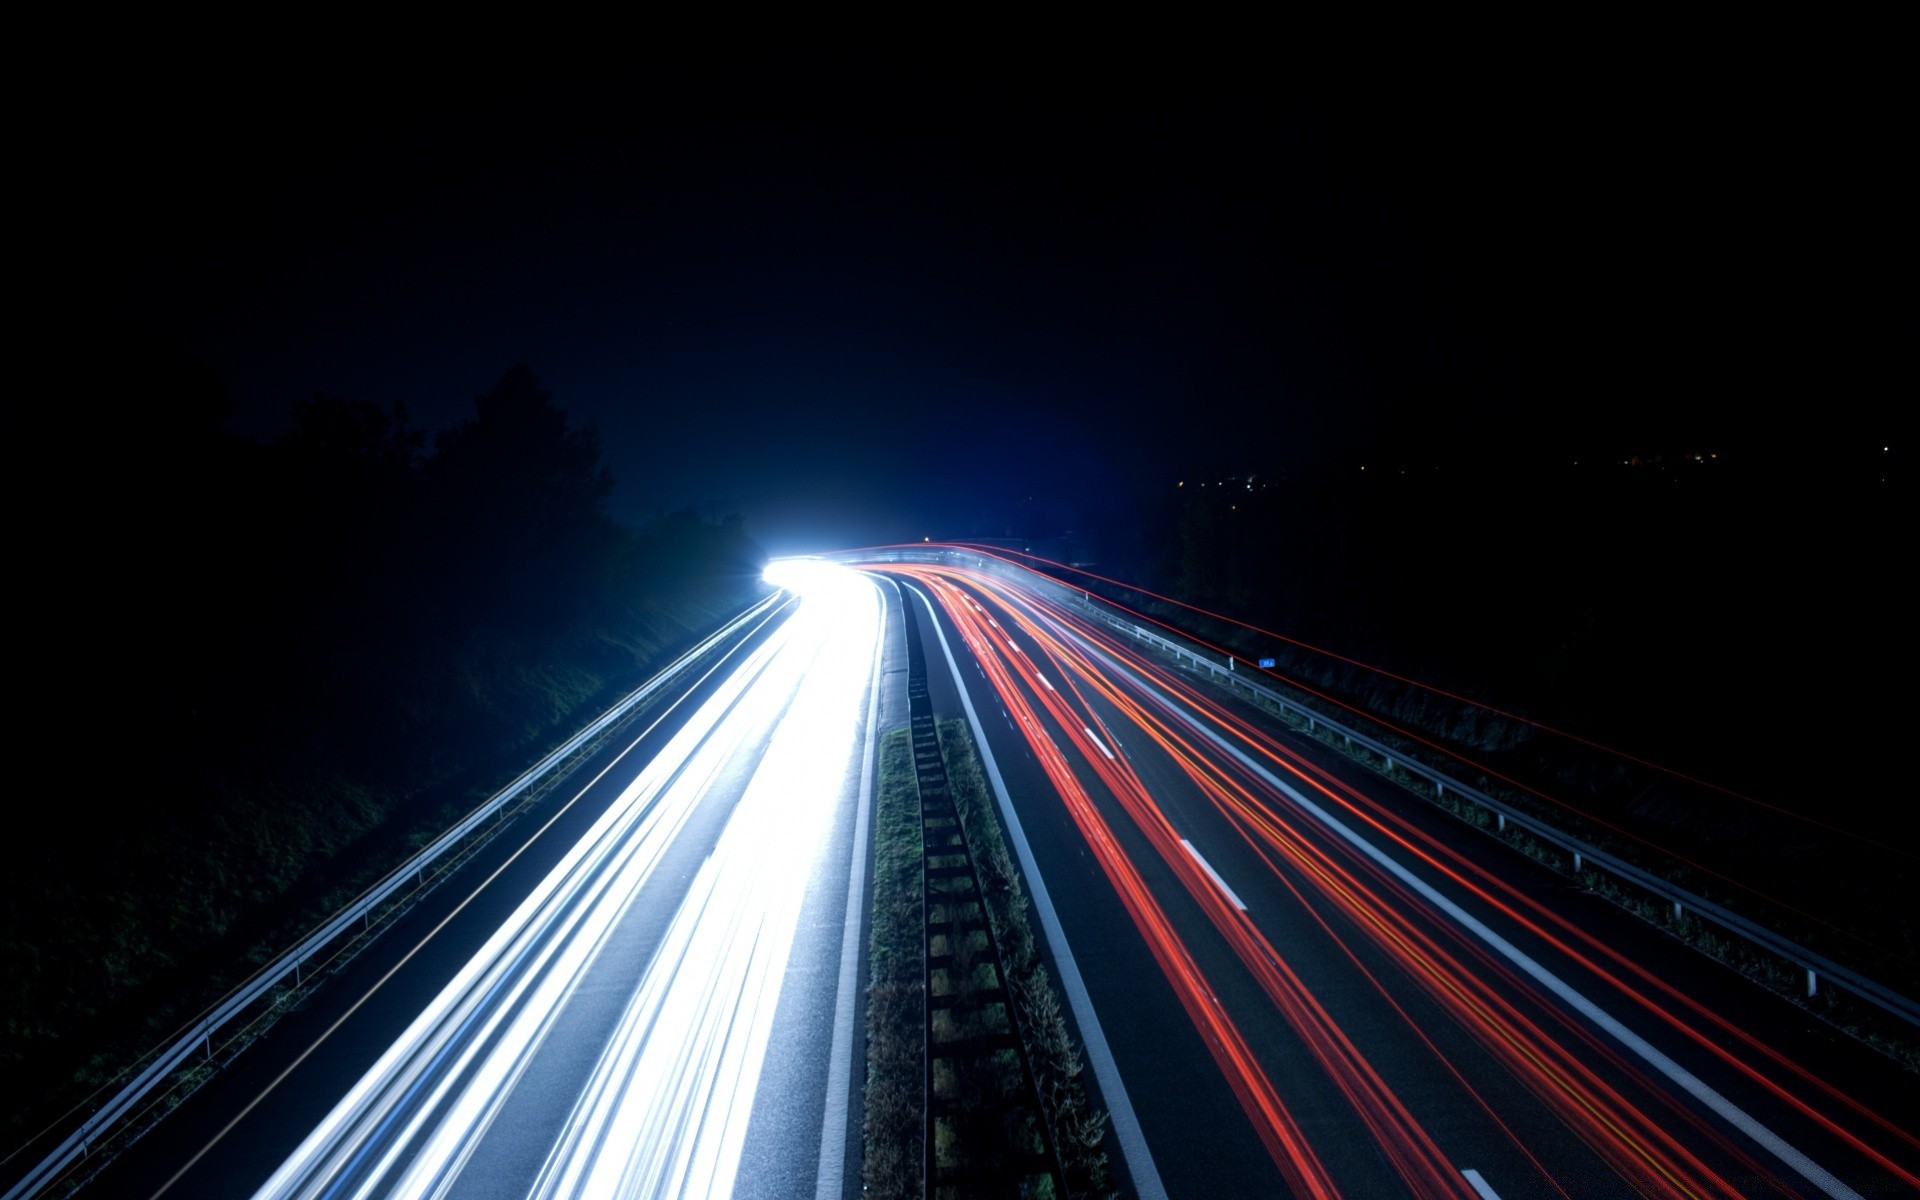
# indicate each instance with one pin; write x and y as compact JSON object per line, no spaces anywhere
{"x":896,"y":1031}
{"x":896,"y":1043}
{"x":1078,"y":1128}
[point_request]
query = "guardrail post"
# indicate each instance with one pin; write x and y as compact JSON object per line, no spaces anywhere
{"x":1389,"y":762}
{"x":1500,"y":819}
{"x":1813,"y":983}
{"x":1576,"y":862}
{"x":1229,"y":664}
{"x":1677,"y":912}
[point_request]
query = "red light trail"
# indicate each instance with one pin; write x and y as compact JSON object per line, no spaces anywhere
{"x":1090,"y":707}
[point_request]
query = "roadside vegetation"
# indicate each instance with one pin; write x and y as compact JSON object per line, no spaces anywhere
{"x":291,"y":665}
{"x":1078,"y":1129}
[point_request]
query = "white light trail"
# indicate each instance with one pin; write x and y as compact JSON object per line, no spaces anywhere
{"x":680,"y":1056}
{"x":664,"y":1112}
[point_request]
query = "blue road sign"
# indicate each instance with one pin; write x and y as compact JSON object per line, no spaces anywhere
{"x":1266,"y":662}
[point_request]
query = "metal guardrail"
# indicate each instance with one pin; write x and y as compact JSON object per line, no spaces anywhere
{"x":1817,"y":967}
{"x":273,"y":974}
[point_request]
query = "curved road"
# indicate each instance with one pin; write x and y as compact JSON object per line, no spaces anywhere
{"x":1291,"y":977}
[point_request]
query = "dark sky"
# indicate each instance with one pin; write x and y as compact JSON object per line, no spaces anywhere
{"x":859,"y":302}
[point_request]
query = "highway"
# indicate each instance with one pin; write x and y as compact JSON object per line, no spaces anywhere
{"x":1312,"y":984}
{"x":1290,"y":977}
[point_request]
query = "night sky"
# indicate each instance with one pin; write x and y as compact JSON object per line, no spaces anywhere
{"x":859,"y":301}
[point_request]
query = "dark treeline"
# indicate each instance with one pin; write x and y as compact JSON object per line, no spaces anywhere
{"x":1668,"y":605}
{"x":262,"y":667}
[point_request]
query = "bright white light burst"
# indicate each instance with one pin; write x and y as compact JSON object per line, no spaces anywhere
{"x":811,"y":576}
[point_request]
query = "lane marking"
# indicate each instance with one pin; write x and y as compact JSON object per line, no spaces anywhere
{"x":1043,"y":681}
{"x":1126,"y":1125}
{"x":1688,"y":1082}
{"x":1213,"y":875}
{"x":1096,"y":741}
{"x":1480,"y":1185}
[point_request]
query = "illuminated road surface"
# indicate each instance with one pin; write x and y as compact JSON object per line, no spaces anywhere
{"x":1291,"y":979}
{"x":1312,"y":985}
{"x":611,"y":1036}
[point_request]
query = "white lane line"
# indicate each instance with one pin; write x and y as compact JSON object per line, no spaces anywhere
{"x":1043,"y":681}
{"x":1481,"y":1186}
{"x":1126,"y":1126}
{"x":1778,"y":1146}
{"x":829,"y":1182}
{"x":1096,"y":741}
{"x":1213,"y":875}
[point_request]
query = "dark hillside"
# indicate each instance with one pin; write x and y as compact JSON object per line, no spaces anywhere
{"x":262,"y":668}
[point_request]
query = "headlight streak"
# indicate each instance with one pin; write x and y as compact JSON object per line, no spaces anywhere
{"x":1639,"y":1146}
{"x":657,"y":1089}
{"x":631,"y":835}
{"x":687,"y":1054}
